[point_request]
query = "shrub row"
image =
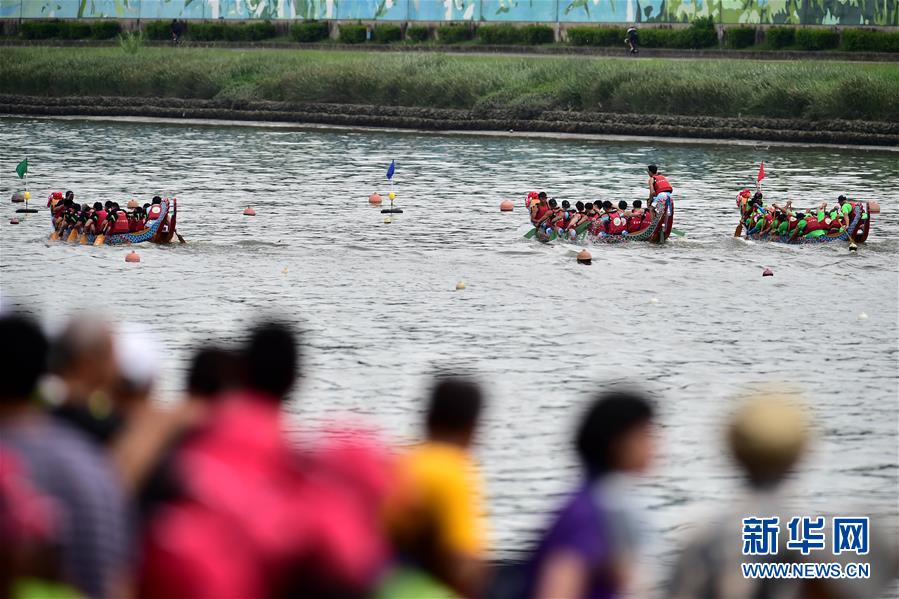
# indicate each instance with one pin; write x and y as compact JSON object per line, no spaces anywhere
{"x":700,"y":34}
{"x":775,"y":38}
{"x":70,"y":30}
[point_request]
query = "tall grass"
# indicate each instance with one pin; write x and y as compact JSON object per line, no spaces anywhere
{"x":522,"y":86}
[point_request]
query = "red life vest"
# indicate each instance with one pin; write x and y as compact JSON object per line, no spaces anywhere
{"x":154,"y":212}
{"x":541,"y":212}
{"x":617,"y":224}
{"x":811,"y":224}
{"x":135,"y":225}
{"x":121,"y":223}
{"x":101,"y":216}
{"x":636,"y":221}
{"x":660,"y":184}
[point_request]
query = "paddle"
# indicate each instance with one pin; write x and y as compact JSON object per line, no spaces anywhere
{"x":679,"y":233}
{"x":530,"y":233}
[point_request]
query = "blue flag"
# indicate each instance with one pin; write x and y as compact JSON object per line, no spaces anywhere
{"x":390,"y":169}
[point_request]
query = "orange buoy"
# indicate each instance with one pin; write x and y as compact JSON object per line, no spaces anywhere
{"x":767,"y":273}
{"x":584,"y":257}
{"x":14,"y":221}
{"x":874,"y":207}
{"x":132,"y":204}
{"x":132,"y":256}
{"x":506,"y":206}
{"x":374,"y":199}
{"x":249,"y":211}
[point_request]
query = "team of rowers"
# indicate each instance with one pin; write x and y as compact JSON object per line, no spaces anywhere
{"x":786,"y":221}
{"x":71,"y":218}
{"x":598,"y":218}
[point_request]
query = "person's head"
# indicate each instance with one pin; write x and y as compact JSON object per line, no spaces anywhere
{"x":85,"y":208}
{"x":622,"y":205}
{"x":23,"y":355}
{"x":107,"y":204}
{"x":212,"y":372}
{"x":157,"y":200}
{"x":588,"y":206}
{"x":800,"y":215}
{"x":70,"y":195}
{"x":553,"y":203}
{"x":579,"y":205}
{"x":638,"y":204}
{"x":98,"y":206}
{"x":138,"y":358}
{"x":607,"y":205}
{"x":616,"y":434}
{"x":566,"y":204}
{"x":767,"y":436}
{"x":146,"y":207}
{"x":758,"y":196}
{"x":842,"y":200}
{"x":653,"y":169}
{"x":272,"y":359}
{"x":454,"y":408}
{"x":83,"y":356}
{"x":115,"y":205}
{"x":542,"y":196}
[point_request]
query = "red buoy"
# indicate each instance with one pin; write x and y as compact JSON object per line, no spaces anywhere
{"x":249,"y":211}
{"x":584,"y":257}
{"x":767,"y":273}
{"x":132,"y":204}
{"x":506,"y":206}
{"x":14,"y":221}
{"x":374,"y":199}
{"x":132,"y":256}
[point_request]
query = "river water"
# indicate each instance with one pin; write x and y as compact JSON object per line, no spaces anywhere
{"x":692,"y":321}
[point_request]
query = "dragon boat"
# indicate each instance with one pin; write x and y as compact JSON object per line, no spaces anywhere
{"x":856,"y":232}
{"x":658,"y":230}
{"x":159,"y":230}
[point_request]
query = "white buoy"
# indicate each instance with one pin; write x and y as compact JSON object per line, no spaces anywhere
{"x":387,"y":220}
{"x":863,"y":316}
{"x":460,"y":285}
{"x":653,"y":300}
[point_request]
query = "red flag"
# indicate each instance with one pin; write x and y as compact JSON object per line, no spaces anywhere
{"x":761,"y":172}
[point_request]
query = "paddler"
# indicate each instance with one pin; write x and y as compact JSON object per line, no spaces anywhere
{"x":540,"y":210}
{"x":636,"y":217}
{"x":659,"y":187}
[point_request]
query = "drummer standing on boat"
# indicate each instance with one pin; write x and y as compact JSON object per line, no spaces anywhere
{"x":659,"y":187}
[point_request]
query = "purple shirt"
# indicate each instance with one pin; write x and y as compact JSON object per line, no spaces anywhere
{"x":578,"y":528}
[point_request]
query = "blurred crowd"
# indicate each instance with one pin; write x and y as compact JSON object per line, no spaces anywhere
{"x":106,"y":493}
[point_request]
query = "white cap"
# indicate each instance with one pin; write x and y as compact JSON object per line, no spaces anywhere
{"x":137,"y":353}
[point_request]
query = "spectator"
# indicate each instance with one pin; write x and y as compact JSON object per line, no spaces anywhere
{"x":589,"y":548}
{"x":257,"y":518}
{"x":768,"y":437}
{"x":177,"y":31}
{"x":65,"y":466}
{"x":436,"y":518}
{"x":83,"y":361}
{"x":632,"y":39}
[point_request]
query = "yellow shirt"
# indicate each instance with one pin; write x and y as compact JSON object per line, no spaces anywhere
{"x":439,"y":495}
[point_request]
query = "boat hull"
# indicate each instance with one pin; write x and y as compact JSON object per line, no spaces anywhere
{"x":859,"y":226}
{"x":657,"y":231}
{"x":160,"y":230}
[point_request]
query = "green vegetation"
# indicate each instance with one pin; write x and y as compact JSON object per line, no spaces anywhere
{"x":453,"y":34}
{"x":739,"y":37}
{"x":386,"y":33}
{"x":352,"y":34}
{"x":131,"y":42}
{"x":309,"y":31}
{"x":699,"y":35}
{"x":522,"y":86}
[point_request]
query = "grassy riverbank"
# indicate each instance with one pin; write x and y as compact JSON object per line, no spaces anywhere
{"x":523,"y":86}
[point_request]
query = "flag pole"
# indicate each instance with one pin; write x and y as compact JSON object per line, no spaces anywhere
{"x":26,"y":182}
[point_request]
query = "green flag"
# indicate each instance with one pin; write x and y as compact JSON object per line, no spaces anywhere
{"x":22,"y":168}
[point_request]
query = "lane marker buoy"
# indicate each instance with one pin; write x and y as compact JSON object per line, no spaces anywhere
{"x":653,"y":300}
{"x":460,"y":285}
{"x":374,"y":199}
{"x":506,"y":206}
{"x":584,"y":258}
{"x":387,"y":220}
{"x":132,"y":256}
{"x":249,"y":211}
{"x":863,"y":316}
{"x":767,"y":273}
{"x":14,"y":221}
